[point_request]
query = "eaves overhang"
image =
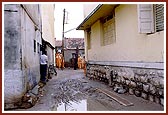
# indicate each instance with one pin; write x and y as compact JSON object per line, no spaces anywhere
{"x":101,"y":11}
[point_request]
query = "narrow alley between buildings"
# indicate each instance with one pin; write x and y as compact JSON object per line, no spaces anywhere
{"x":70,"y":90}
{"x":102,"y":69}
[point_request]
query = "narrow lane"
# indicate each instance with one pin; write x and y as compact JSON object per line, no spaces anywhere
{"x":70,"y":90}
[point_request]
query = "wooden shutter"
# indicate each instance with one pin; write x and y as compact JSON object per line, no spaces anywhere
{"x":145,"y":18}
{"x":159,"y":17}
{"x":109,"y":32}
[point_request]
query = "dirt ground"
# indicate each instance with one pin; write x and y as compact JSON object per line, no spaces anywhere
{"x":70,"y":90}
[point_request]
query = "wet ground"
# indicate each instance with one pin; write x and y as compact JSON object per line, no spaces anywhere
{"x":70,"y":90}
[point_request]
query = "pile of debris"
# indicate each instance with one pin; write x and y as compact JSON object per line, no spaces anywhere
{"x":31,"y":97}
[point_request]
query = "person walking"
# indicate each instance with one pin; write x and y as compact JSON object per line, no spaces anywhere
{"x":43,"y":66}
{"x":75,"y":62}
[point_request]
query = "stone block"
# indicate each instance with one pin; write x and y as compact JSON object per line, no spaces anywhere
{"x":127,"y":82}
{"x":123,"y":80}
{"x":144,"y":95}
{"x":132,"y":84}
{"x":121,"y":91}
{"x":131,"y":78}
{"x":131,"y":91}
{"x":162,"y":83}
{"x":137,"y":93}
{"x":161,"y":92}
{"x":162,"y":101}
{"x":139,"y":86}
{"x":151,"y":98}
{"x":146,"y":87}
{"x":118,"y":79}
{"x":152,"y":89}
{"x":137,"y":78}
{"x":114,"y":80}
{"x":157,"y":100}
{"x":144,"y":79}
{"x":156,"y":81}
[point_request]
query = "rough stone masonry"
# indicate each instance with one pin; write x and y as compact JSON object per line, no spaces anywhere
{"x":147,"y":83}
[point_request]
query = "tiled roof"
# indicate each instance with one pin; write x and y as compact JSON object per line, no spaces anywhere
{"x":58,"y":43}
{"x":72,"y":43}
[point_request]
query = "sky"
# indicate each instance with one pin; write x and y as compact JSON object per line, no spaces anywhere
{"x":73,"y":19}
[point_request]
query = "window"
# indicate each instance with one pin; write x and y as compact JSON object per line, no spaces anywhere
{"x":109,"y":30}
{"x":150,"y":18}
{"x":159,"y":17}
{"x":34,"y":45}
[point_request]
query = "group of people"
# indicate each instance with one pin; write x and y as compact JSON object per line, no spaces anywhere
{"x":59,"y":60}
{"x":79,"y":62}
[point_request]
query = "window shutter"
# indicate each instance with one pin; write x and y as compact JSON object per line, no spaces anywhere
{"x":159,"y":17}
{"x":145,"y":18}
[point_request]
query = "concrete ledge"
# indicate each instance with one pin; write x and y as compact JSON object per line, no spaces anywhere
{"x":150,"y":65}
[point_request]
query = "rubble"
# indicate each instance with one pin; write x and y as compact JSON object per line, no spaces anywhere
{"x":31,"y":97}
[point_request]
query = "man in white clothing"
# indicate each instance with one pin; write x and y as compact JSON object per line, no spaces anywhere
{"x":43,"y":66}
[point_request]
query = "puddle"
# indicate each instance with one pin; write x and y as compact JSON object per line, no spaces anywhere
{"x":73,"y":106}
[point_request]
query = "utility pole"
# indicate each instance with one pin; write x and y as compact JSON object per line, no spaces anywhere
{"x":63,"y":32}
{"x":63,"y":38}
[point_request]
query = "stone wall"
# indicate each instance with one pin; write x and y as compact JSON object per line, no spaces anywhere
{"x":147,"y":83}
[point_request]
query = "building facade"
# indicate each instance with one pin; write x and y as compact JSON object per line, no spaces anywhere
{"x":22,"y":39}
{"x":125,"y":47}
{"x":70,"y":45}
{"x":70,"y":49}
{"x":47,"y":12}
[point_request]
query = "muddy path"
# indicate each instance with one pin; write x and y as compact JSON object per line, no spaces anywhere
{"x":70,"y":90}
